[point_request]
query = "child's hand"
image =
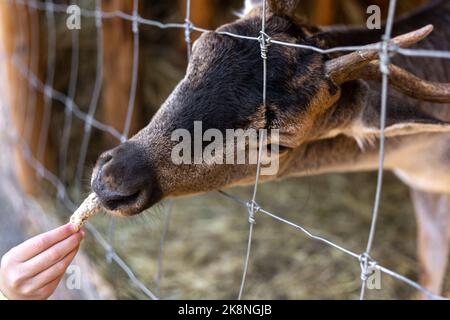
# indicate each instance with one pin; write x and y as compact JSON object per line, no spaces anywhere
{"x":33,"y":269}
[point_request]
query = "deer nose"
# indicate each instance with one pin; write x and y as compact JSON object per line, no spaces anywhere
{"x":121,"y":177}
{"x":109,"y":178}
{"x":104,"y":158}
{"x":125,"y":180}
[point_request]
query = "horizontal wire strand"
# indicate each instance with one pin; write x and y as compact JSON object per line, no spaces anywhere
{"x":60,"y":8}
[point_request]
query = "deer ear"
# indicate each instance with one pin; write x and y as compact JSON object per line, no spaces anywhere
{"x":405,"y":116}
{"x":249,"y":5}
{"x":283,"y":7}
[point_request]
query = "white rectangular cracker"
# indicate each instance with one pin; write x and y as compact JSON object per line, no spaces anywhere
{"x":90,"y":206}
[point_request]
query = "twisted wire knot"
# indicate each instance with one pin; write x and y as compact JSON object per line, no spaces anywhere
{"x":34,"y":81}
{"x":264,"y":43}
{"x":40,"y":170}
{"x":88,"y":122}
{"x":69,"y":105}
{"x":98,"y":18}
{"x":366,"y":263}
{"x":109,"y":254}
{"x":187,"y":30}
{"x":61,"y":191}
{"x":48,"y":91}
{"x":48,"y":6}
{"x":384,"y":56}
{"x":253,"y":208}
{"x":135,"y":26}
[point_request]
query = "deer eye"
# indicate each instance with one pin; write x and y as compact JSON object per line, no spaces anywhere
{"x":281,"y":149}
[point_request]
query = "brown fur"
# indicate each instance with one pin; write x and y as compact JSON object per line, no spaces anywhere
{"x":323,"y":127}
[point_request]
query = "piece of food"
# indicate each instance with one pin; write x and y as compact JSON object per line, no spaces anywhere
{"x":90,"y":206}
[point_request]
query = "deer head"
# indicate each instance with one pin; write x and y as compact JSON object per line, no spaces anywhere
{"x":310,"y":97}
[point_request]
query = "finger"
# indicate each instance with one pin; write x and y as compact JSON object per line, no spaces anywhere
{"x":46,"y":291}
{"x":36,"y":245}
{"x":52,"y":255}
{"x":47,"y":276}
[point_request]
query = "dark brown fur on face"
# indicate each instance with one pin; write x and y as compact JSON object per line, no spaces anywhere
{"x":222,"y":88}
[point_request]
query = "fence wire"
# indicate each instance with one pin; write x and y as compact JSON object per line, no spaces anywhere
{"x":385,"y":49}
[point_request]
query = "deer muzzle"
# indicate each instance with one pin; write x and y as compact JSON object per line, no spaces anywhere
{"x":124,"y":180}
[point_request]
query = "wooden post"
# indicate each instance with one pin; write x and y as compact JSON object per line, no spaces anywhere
{"x":324,"y":12}
{"x":15,"y":34}
{"x":117,"y":70}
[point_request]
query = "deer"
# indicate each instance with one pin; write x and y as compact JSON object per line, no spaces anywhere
{"x":325,"y":106}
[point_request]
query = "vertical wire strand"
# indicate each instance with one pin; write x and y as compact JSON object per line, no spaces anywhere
{"x":95,"y":96}
{"x":111,"y":236}
{"x":34,"y":65}
{"x":164,"y":234}
{"x":73,"y":81}
{"x":134,"y":74}
{"x":252,"y":207}
{"x":187,"y":30}
{"x":168,"y":212}
{"x":384,"y":59}
{"x":130,"y":110}
{"x":246,"y":261}
{"x":50,"y":76}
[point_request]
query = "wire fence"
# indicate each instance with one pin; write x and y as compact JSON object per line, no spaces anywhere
{"x":385,"y":49}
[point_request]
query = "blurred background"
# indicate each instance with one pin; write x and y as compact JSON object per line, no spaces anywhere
{"x":205,"y":237}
